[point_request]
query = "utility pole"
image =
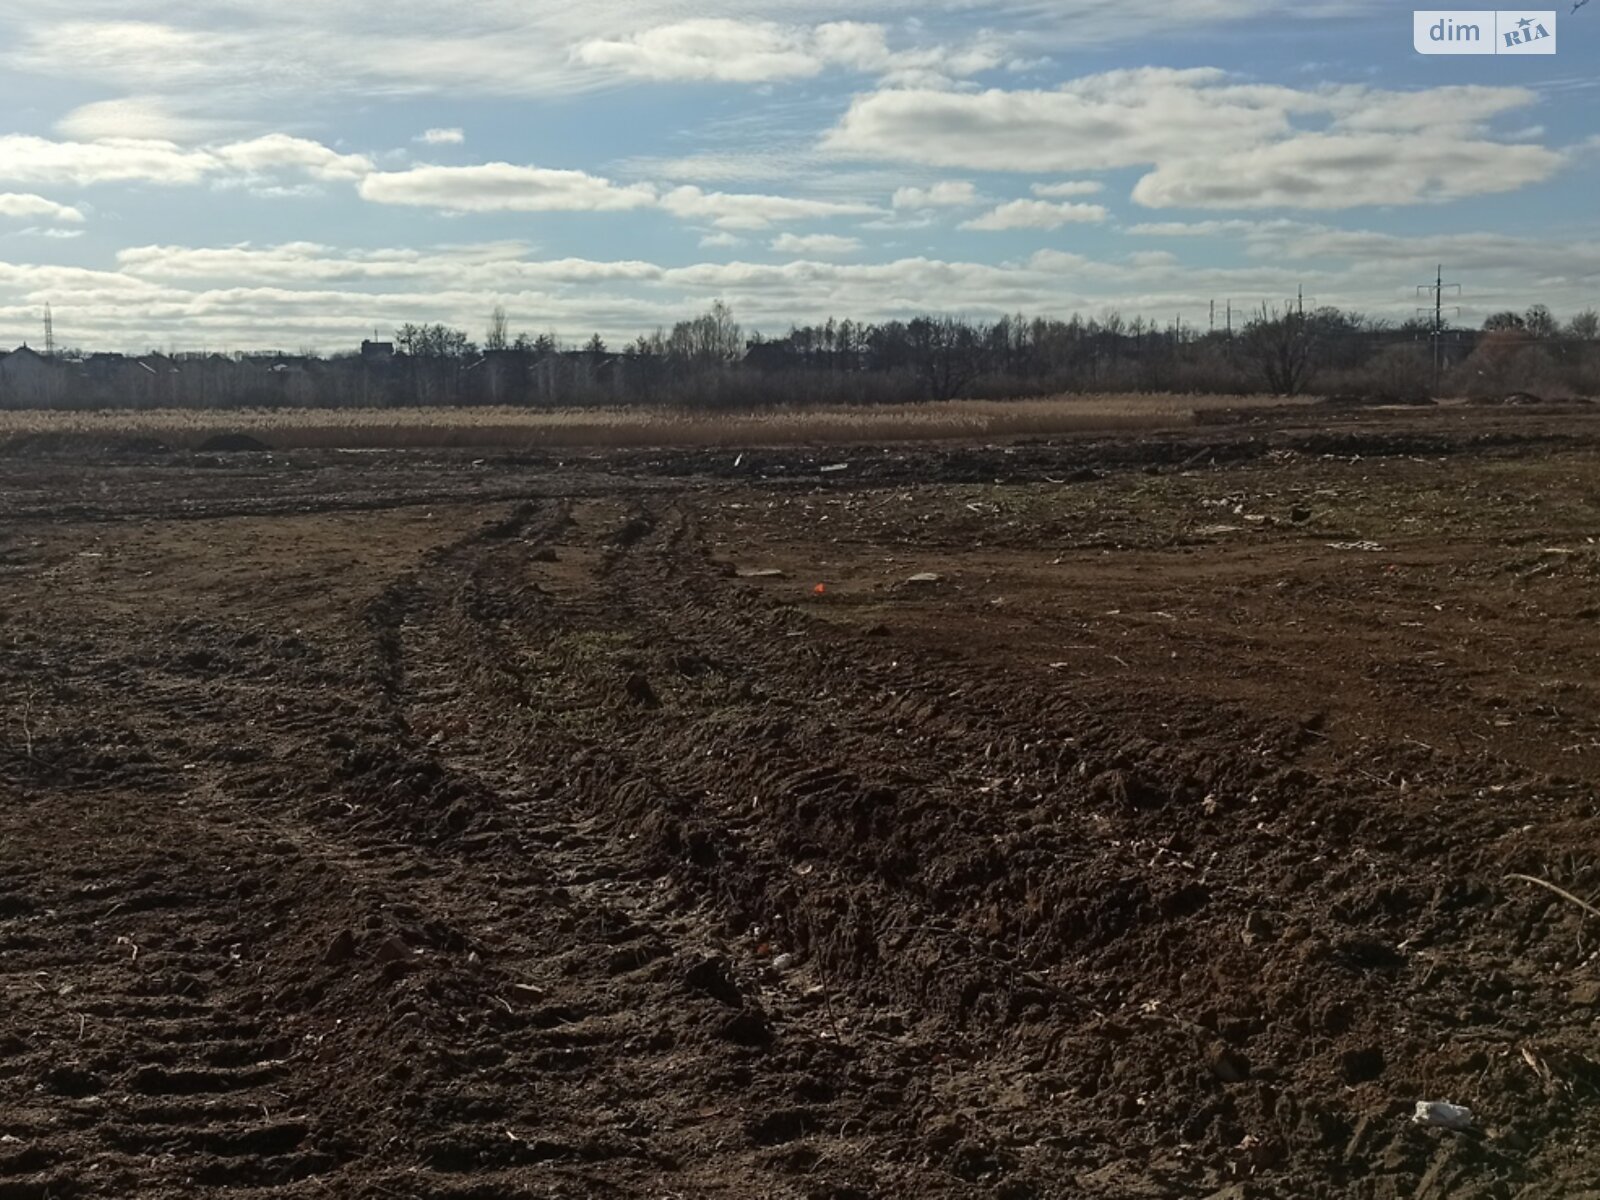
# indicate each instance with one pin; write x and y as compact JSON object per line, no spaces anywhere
{"x":49,"y":334}
{"x":1437,"y":288}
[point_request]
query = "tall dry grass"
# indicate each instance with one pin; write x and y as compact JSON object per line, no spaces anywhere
{"x":528,"y":429}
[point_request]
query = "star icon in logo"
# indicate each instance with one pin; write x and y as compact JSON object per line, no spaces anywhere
{"x":1524,"y":23}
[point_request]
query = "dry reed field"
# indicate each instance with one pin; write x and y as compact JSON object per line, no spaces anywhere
{"x":373,"y":428}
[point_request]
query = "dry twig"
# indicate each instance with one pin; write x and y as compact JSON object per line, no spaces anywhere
{"x":1560,"y":891}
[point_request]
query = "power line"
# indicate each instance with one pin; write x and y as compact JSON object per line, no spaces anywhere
{"x":1438,"y":287}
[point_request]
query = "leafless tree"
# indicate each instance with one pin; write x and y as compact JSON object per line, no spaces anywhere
{"x":1278,"y":345}
{"x":495,"y":338}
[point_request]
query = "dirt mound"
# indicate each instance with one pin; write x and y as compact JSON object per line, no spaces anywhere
{"x":232,"y":443}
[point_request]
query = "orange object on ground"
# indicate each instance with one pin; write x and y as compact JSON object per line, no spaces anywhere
{"x":819,"y":590}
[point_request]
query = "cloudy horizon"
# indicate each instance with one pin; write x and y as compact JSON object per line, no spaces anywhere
{"x":235,"y":176}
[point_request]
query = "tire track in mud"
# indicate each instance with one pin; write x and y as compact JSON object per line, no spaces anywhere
{"x":989,"y":864}
{"x":682,"y":791}
{"x":234,"y":1084}
{"x":597,"y":872}
{"x":153,"y":1068}
{"x":644,"y":1037}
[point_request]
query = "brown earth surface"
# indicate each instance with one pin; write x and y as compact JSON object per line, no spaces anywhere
{"x":416,"y":825}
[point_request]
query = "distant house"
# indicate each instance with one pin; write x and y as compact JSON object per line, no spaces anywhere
{"x":28,"y":379}
{"x":377,"y":352}
{"x":770,"y":356}
{"x":102,"y":364}
{"x":497,"y":377}
{"x":111,"y":379}
{"x":160,"y":379}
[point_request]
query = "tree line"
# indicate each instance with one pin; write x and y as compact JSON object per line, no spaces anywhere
{"x":710,"y":360}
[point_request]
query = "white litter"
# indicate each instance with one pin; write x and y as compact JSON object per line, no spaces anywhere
{"x":1443,"y":1116}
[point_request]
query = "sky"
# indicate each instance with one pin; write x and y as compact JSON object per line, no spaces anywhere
{"x":237,"y":174}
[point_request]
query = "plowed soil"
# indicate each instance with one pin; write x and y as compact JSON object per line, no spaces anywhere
{"x":1123,"y":819}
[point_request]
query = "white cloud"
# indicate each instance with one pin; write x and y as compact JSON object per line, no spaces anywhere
{"x":1194,"y":228}
{"x":726,"y":50}
{"x":1068,"y":188}
{"x":28,"y":159}
{"x":736,"y":210}
{"x":1211,"y":141}
{"x":721,"y":240}
{"x":278,"y":151}
{"x":1330,"y":171}
{"x":709,"y":48}
{"x":946,"y":194}
{"x":1036,"y":214}
{"x":220,"y":54}
{"x":486,"y":187}
{"x":31,"y":159}
{"x":142,"y":118}
{"x":824,"y":245}
{"x":441,"y":137}
{"x":1358,"y":109}
{"x":502,"y":187}
{"x":1119,"y":119}
{"x":311,"y":294}
{"x":26,"y":206}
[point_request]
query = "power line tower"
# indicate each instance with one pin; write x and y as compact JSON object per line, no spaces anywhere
{"x":49,"y":334}
{"x":1438,"y":288}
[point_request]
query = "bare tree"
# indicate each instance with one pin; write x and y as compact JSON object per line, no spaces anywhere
{"x":1539,"y":322}
{"x":496,"y":337}
{"x":1278,"y":345}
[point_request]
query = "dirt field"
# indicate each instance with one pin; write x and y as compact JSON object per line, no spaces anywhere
{"x":425,"y":824}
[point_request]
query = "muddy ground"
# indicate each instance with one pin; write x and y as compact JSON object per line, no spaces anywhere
{"x":452,"y":825}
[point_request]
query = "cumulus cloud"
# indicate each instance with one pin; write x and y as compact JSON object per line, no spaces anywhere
{"x":946,"y":194}
{"x":314,"y":294}
{"x":26,"y":206}
{"x":29,"y":159}
{"x":1068,"y":188}
{"x":726,"y":50}
{"x":1211,"y":141}
{"x":742,"y":210}
{"x":143,"y":118}
{"x":1328,"y":171}
{"x":503,"y":187}
{"x":202,"y":51}
{"x":715,"y":49}
{"x":1119,"y":119}
{"x":278,"y":151}
{"x":441,"y":137}
{"x":824,"y":245}
{"x":1036,"y":214}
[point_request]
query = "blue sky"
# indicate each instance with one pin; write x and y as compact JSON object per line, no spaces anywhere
{"x":227,"y":174}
